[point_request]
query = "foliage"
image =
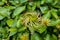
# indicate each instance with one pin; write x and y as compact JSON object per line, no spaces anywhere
{"x":29,"y":19}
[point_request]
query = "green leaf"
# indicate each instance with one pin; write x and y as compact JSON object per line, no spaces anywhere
{"x":38,"y":3}
{"x":10,"y":22}
{"x":54,"y":22}
{"x":19,"y":23}
{"x":14,"y":37}
{"x":54,"y":37}
{"x":48,"y":37}
{"x":23,"y":1}
{"x":33,"y":7}
{"x":21,"y":29}
{"x":12,"y":31}
{"x":1,"y":17}
{"x":44,"y":9}
{"x":32,"y":30}
{"x":1,"y":3}
{"x":43,"y":1}
{"x":10,"y":7}
{"x":41,"y":29}
{"x":54,"y":13}
{"x":18,"y":11}
{"x":4,"y":12}
{"x":49,"y":1}
{"x":15,"y":2}
{"x":4,"y":0}
{"x":35,"y":36}
{"x":47,"y":15}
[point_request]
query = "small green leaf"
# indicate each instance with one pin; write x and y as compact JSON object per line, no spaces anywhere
{"x":19,"y":23}
{"x":54,"y":13}
{"x":21,"y":29}
{"x":4,"y":0}
{"x":47,"y":15}
{"x":41,"y":29}
{"x":4,"y":12}
{"x":23,"y":1}
{"x":49,"y":1}
{"x":54,"y":37}
{"x":38,"y":3}
{"x":10,"y":7}
{"x":10,"y":22}
{"x":1,"y":17}
{"x":48,"y":37}
{"x":43,"y":1}
{"x":18,"y":10}
{"x":54,"y":23}
{"x":32,"y":30}
{"x":1,"y":3}
{"x":35,"y":36}
{"x":12,"y":31}
{"x":44,"y":9}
